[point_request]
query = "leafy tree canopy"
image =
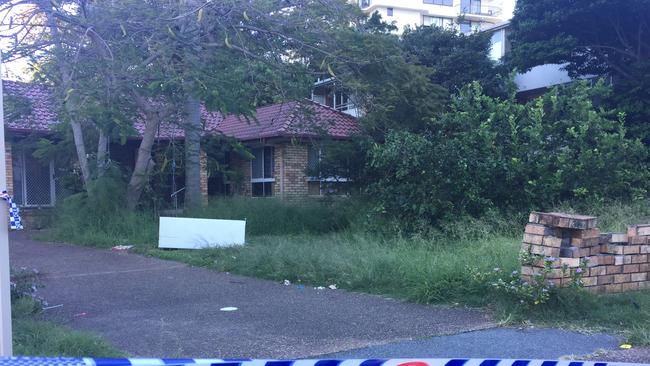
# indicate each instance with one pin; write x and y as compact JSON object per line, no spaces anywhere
{"x":593,"y":37}
{"x":455,"y":59}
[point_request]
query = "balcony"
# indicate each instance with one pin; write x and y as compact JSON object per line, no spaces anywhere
{"x":363,"y":4}
{"x":479,"y":8}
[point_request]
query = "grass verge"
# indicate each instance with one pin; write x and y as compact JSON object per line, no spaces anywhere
{"x":316,"y":246}
{"x":33,"y":336}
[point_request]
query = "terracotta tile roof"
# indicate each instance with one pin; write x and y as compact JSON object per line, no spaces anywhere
{"x":174,"y":129}
{"x":289,"y":119}
{"x":43,"y":114}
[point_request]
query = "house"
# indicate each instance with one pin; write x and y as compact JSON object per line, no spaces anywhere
{"x":282,"y":141}
{"x":465,"y":15}
{"x":282,"y":138}
{"x":533,"y":82}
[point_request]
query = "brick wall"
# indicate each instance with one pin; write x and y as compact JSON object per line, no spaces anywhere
{"x":571,"y":247}
{"x":203,"y":162}
{"x":294,"y":160}
{"x":290,"y":163}
{"x":278,"y":167}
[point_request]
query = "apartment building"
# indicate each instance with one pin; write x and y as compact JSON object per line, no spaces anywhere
{"x":535,"y":81}
{"x":465,"y":15}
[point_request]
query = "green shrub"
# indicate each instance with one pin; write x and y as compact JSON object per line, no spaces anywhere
{"x":486,"y":154}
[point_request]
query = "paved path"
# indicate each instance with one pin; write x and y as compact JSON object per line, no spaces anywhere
{"x":151,"y":307}
{"x":493,"y":343}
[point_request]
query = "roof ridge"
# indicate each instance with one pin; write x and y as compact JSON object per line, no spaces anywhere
{"x":292,"y":115}
{"x":330,"y":108}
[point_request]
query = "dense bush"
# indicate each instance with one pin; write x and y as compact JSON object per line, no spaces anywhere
{"x":488,"y":153}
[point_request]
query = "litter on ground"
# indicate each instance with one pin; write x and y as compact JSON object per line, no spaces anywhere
{"x":121,"y":248}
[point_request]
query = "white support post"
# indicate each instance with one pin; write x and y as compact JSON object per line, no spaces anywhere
{"x":5,"y":294}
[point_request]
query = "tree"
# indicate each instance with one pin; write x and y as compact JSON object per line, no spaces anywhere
{"x":455,"y":59}
{"x":370,"y":64}
{"x":145,"y":55}
{"x":593,"y":37}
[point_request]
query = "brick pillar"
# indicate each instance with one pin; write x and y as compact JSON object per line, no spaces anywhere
{"x":295,"y":159}
{"x":9,"y":167}
{"x":204,"y":177}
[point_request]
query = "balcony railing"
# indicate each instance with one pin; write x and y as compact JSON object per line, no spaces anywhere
{"x":479,"y":9}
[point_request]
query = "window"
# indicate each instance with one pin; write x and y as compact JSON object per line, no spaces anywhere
{"x":471,"y":6}
{"x":262,"y":171}
{"x":469,"y":27}
{"x":389,"y":12}
{"x":497,"y":45}
{"x":313,"y":158}
{"x":318,"y":185}
{"x":437,"y":21}
{"x":364,"y":3}
{"x":338,"y":100}
{"x":465,"y":27}
{"x":33,"y":181}
{"x":440,"y":2}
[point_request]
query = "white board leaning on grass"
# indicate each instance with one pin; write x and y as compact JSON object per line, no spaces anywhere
{"x":188,"y":233}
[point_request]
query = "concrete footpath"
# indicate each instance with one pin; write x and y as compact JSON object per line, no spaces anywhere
{"x":154,"y":308}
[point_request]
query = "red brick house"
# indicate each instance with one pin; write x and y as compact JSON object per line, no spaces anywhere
{"x":280,"y":137}
{"x":282,"y":141}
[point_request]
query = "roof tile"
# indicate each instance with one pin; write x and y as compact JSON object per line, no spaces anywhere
{"x":289,"y":119}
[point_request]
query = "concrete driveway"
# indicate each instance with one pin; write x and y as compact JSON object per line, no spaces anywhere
{"x":157,"y":308}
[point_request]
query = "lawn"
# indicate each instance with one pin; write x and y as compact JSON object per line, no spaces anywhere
{"x":325,"y":245}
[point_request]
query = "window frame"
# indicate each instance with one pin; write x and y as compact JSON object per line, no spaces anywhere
{"x":445,"y":22}
{"x":24,"y":196}
{"x":320,"y":180}
{"x":439,"y":2}
{"x":263,"y":181}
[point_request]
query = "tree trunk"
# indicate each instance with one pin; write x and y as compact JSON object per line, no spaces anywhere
{"x":192,"y":153}
{"x":66,"y":78}
{"x":143,"y":163}
{"x":102,"y":153}
{"x":77,"y":133}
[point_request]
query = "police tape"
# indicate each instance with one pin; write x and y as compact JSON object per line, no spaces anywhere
{"x":62,"y":361}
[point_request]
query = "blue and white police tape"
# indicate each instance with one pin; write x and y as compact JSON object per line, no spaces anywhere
{"x":61,"y":361}
{"x":15,"y":222}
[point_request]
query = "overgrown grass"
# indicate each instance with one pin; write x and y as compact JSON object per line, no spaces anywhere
{"x":79,"y":223}
{"x":273,"y":217}
{"x":415,"y":269}
{"x":322,"y":245}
